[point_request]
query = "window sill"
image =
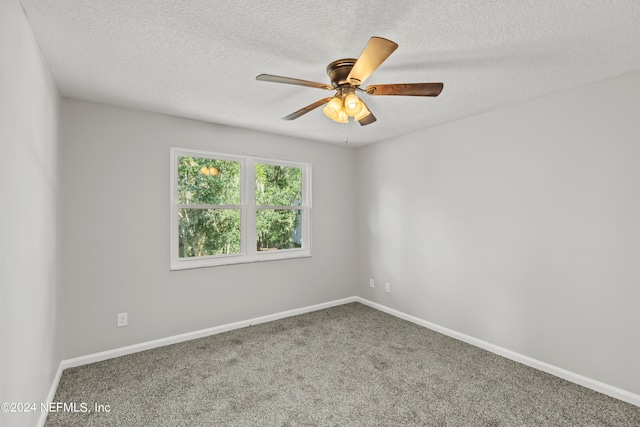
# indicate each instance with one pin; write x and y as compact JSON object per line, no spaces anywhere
{"x":219,"y":261}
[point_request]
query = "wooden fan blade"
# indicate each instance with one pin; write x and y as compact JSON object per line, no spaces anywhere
{"x":306,"y":109}
{"x":374,"y":54}
{"x":406,"y":89}
{"x":292,"y":81}
{"x":367,"y":120}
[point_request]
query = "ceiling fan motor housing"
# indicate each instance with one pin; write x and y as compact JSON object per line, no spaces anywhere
{"x":339,"y":70}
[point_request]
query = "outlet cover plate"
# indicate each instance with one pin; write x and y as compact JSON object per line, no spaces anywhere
{"x":122,"y":320}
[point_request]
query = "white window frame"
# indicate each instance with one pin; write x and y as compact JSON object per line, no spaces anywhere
{"x":248,"y":209}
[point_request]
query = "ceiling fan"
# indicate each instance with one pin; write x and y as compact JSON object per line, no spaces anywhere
{"x":346,"y":76}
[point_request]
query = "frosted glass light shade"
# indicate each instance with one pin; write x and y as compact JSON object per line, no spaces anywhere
{"x":364,"y":112}
{"x":332,"y":109}
{"x":352,"y":104}
{"x":342,"y":116}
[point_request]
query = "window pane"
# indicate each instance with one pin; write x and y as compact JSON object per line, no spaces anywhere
{"x":204,"y":232}
{"x":278,"y":229}
{"x":208,"y":181}
{"x":278,"y":185}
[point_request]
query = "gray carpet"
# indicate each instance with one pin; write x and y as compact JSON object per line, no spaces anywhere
{"x":345,"y":366}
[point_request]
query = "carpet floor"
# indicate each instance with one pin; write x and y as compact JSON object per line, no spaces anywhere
{"x":349,"y":365}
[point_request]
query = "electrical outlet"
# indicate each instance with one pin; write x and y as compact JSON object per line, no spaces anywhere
{"x":372,"y":283}
{"x":122,"y":320}
{"x":387,"y":287}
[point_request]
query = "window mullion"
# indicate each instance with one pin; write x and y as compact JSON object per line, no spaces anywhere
{"x":276,"y":208}
{"x":251,"y":207}
{"x":200,"y":206}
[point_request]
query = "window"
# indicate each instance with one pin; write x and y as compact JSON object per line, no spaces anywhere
{"x":228,"y":209}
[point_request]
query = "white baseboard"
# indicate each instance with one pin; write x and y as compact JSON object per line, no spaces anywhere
{"x":122,"y":351}
{"x":52,"y":395}
{"x":592,"y":384}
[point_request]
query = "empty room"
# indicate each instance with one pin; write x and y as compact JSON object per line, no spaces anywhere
{"x":319,"y":213}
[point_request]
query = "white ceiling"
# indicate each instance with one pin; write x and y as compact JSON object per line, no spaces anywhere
{"x":199,"y":58}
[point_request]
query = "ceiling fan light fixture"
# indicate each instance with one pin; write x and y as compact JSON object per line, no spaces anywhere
{"x":352,"y":104}
{"x":364,"y":112}
{"x":331,"y":113}
{"x":343,"y":117}
{"x":333,"y":107}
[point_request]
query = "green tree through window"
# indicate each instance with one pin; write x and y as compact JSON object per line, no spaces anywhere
{"x":229,"y":209}
{"x":278,"y":186}
{"x":213,"y":226}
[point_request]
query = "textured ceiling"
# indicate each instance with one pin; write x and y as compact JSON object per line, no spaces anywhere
{"x":199,"y":58}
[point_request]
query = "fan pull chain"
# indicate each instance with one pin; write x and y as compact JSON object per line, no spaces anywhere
{"x":345,"y":130}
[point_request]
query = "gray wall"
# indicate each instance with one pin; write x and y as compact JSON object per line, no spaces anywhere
{"x":116,"y":246}
{"x":518,"y":227}
{"x":30,"y":261}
